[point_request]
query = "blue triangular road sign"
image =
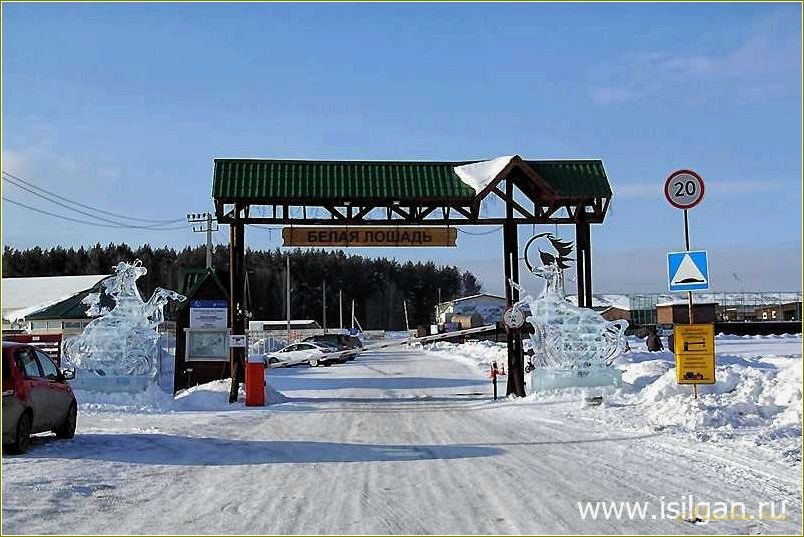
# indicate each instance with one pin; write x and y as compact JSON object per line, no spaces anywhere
{"x":688,"y":271}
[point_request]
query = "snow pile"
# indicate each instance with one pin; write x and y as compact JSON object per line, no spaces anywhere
{"x":757,"y":397}
{"x":210,"y":396}
{"x":215,"y":396}
{"x":479,"y":175}
{"x":151,"y":400}
{"x":744,"y":397}
{"x":477,"y":353}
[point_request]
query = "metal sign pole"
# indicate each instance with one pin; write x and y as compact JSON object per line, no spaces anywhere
{"x":684,"y":189}
{"x":689,"y":293}
{"x":687,"y":244}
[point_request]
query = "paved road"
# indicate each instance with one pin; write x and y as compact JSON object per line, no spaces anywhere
{"x":396,"y":442}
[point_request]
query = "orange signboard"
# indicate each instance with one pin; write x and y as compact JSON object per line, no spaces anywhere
{"x":364,"y":236}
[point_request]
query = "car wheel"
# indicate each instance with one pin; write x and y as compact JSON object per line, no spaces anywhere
{"x":23,"y":440}
{"x":67,"y":429}
{"x":273,"y":360}
{"x":313,"y":362}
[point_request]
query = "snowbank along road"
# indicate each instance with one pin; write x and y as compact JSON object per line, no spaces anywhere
{"x":395,"y":442}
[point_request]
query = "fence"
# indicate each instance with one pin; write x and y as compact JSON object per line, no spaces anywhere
{"x":731,"y":307}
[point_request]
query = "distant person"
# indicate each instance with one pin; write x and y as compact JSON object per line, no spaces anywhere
{"x":670,"y":343}
{"x":653,"y":341}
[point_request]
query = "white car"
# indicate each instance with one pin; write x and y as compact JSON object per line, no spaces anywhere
{"x":311,"y":353}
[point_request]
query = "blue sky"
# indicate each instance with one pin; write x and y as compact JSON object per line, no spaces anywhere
{"x":124,"y":107}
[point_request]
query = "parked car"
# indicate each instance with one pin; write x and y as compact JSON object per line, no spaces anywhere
{"x":311,"y":353}
{"x":36,"y":397}
{"x":342,"y":342}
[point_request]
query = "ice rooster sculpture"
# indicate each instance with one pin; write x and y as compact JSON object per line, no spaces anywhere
{"x":122,"y":341}
{"x":572,"y":346}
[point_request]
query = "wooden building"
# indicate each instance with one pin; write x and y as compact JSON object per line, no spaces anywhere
{"x":677,"y":312}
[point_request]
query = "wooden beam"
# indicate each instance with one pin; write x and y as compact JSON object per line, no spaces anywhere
{"x":510,"y":200}
{"x":449,"y":221}
{"x":426,"y":212}
{"x":400,"y":211}
{"x":466,"y":212}
{"x":363,"y":212}
{"x":336,"y":215}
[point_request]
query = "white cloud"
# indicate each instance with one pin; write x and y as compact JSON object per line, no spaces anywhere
{"x":610,"y":95}
{"x":15,"y":162}
{"x":765,"y":66}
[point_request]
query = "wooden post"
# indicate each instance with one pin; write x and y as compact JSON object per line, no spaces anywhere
{"x":587,"y":263}
{"x":237,"y":318}
{"x":287,"y":295}
{"x":516,"y":362}
{"x":580,"y":260}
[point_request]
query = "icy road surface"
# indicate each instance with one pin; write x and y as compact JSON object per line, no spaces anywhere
{"x":398,"y":442}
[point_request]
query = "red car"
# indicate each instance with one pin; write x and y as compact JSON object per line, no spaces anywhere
{"x":36,"y":397}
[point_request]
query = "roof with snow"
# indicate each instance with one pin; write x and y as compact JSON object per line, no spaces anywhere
{"x":266,"y":180}
{"x":23,"y":297}
{"x":294,"y":324}
{"x":473,"y":297}
{"x":684,"y":302}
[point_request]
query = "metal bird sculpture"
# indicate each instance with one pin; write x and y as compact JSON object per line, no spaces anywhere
{"x":562,"y":249}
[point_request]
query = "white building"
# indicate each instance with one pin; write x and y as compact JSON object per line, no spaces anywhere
{"x":489,"y":307}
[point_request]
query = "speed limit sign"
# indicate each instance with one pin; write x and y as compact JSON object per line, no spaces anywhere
{"x":684,"y":189}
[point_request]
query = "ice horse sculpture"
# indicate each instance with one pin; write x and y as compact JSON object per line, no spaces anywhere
{"x":122,"y":341}
{"x":573,"y":347}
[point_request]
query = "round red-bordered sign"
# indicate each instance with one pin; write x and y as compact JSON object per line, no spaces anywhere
{"x":684,"y":189}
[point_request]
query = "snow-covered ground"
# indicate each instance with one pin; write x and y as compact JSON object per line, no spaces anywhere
{"x":756,"y":401}
{"x":403,"y":441}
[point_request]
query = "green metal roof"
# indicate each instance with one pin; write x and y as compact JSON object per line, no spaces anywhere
{"x":574,"y":177}
{"x":191,"y":279}
{"x":278,"y":180}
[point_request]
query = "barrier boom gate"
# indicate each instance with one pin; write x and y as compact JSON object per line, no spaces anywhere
{"x":393,"y":343}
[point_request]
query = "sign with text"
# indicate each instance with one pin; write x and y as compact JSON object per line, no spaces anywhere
{"x":237,"y":341}
{"x":684,"y":189}
{"x":694,"y":346}
{"x":364,"y":236}
{"x":208,"y":314}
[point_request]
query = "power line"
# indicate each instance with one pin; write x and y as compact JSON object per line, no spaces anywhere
{"x":42,"y":211}
{"x":495,"y":230}
{"x":89,"y":206}
{"x":117,"y":223}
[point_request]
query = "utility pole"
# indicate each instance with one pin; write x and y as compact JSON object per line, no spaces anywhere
{"x":208,"y":225}
{"x":340,"y":307}
{"x":324,"y":304}
{"x":287,"y":293}
{"x":407,"y":324}
{"x":353,"y":315}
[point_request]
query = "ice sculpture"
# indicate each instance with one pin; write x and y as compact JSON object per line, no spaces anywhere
{"x":572,"y":346}
{"x":122,"y":341}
